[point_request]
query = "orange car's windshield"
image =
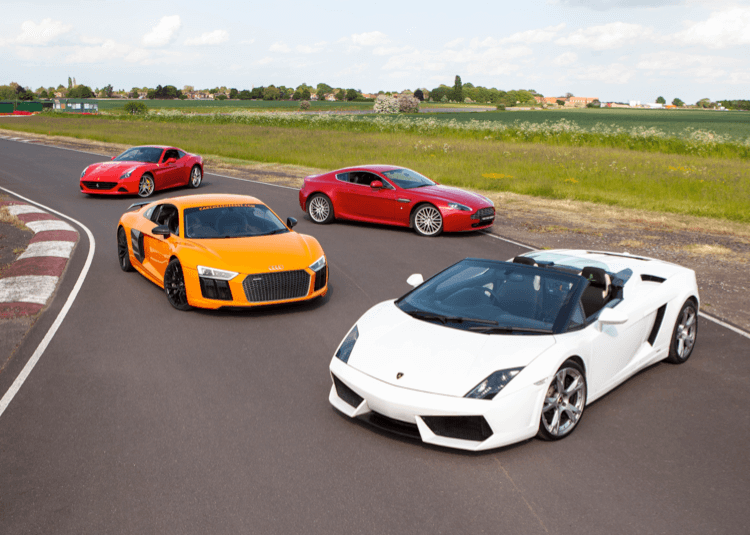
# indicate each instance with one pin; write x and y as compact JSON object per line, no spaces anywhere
{"x":231,"y":221}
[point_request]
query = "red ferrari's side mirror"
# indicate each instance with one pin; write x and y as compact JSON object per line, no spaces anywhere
{"x":112,"y":158}
{"x":376,"y":184}
{"x":171,"y":160}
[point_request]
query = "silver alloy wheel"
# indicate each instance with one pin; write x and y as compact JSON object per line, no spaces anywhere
{"x":196,"y":177}
{"x":320,"y":208}
{"x":563,"y":404}
{"x":687,"y":329}
{"x":146,"y":186}
{"x":428,"y":220}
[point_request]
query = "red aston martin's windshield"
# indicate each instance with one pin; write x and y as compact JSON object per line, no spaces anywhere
{"x":140,"y":154}
{"x":408,"y":179}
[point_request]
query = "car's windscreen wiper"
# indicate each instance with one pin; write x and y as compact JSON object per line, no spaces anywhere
{"x":508,"y":330}
{"x":446,"y":319}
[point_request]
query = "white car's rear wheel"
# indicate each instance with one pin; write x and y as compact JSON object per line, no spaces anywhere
{"x":564,"y":402}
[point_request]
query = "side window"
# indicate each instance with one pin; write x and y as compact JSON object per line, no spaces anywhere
{"x":171,"y":153}
{"x":578,"y":318}
{"x":343,"y":177}
{"x":153,"y":213}
{"x":365,"y":178}
{"x":149,"y":213}
{"x":180,"y":154}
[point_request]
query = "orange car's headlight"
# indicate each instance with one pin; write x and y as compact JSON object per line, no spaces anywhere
{"x":218,"y":274}
{"x":319,"y":264}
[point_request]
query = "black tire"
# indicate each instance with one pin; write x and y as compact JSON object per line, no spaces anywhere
{"x":146,"y":186}
{"x":564,"y":402}
{"x":320,"y":209}
{"x":174,"y":285}
{"x":196,"y":177}
{"x":123,"y":253}
{"x":684,"y":335}
{"x":427,"y":221}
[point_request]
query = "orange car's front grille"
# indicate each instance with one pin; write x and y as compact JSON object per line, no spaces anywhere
{"x":263,"y":287}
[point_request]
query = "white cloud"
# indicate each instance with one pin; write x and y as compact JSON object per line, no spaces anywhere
{"x":209,"y":38}
{"x":473,"y":61}
{"x":700,"y":68}
{"x":603,"y":5}
{"x":247,"y":42}
{"x":107,"y":51}
{"x":264,"y":61}
{"x":721,"y":30}
{"x":739,"y":78}
{"x":390,"y":50}
{"x":279,"y":47}
{"x":369,"y":39}
{"x":607,"y":36}
{"x":543,"y":35}
{"x":565,"y":59}
{"x":454,"y":43}
{"x":310,"y":49}
{"x":615,"y":73}
{"x":43,"y":33}
{"x":163,"y":33}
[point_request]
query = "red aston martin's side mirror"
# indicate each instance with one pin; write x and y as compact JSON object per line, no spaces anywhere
{"x":376,"y":184}
{"x":112,"y":158}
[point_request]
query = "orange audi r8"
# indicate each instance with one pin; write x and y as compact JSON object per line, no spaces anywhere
{"x":214,"y":251}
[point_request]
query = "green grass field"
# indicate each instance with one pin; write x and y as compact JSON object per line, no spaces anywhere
{"x":219,"y":106}
{"x":683,"y":184}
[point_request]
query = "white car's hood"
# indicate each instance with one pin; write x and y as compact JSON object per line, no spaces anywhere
{"x":434,"y":358}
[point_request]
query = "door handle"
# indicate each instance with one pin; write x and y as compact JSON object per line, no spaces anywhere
{"x":403,"y":200}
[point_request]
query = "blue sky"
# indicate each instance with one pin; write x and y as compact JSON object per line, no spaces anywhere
{"x":611,"y":49}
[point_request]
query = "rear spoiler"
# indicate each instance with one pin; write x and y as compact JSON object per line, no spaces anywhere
{"x":138,"y":205}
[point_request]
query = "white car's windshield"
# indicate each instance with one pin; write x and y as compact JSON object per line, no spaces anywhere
{"x":231,"y":221}
{"x":495,"y":297}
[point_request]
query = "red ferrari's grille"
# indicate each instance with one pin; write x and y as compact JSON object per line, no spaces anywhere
{"x":99,"y":185}
{"x":263,"y":287}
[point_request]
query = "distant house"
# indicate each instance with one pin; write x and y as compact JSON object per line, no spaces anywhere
{"x":75,"y":105}
{"x":313,"y":96}
{"x":330,"y":97}
{"x":548,"y":100}
{"x":579,"y":102}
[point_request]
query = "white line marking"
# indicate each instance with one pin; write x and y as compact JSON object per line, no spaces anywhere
{"x":16,"y":386}
{"x":254,"y":181}
{"x":60,"y":249}
{"x":486,"y":233}
{"x":27,"y":289}
{"x":62,"y":148}
{"x":16,"y":209}
{"x":48,"y":224}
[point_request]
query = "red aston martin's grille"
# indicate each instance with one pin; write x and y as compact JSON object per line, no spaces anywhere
{"x":484,"y":212}
{"x":99,"y":185}
{"x":263,"y":287}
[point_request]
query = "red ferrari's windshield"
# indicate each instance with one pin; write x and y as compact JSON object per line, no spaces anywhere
{"x":140,"y":154}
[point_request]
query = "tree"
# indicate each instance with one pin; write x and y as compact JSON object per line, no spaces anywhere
{"x":221,"y":96}
{"x":257,"y":92}
{"x":271,"y":93}
{"x":594,"y":104}
{"x":418,"y":94}
{"x":70,"y":83}
{"x":560,"y":102}
{"x":704,"y":103}
{"x":244,"y":95}
{"x":43,"y":93}
{"x":7,"y":92}
{"x":233,"y":93}
{"x":569,"y":94}
{"x":678,"y":102}
{"x":340,"y":95}
{"x":151,"y":94}
{"x":107,"y":90}
{"x":81,"y":91}
{"x":133,"y":93}
{"x":438,"y":93}
{"x":458,"y":92}
{"x":323,"y":90}
{"x":351,"y":94}
{"x":661,"y":100}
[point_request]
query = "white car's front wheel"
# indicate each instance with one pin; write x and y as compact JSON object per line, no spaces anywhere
{"x":564,"y":402}
{"x":685,"y":334}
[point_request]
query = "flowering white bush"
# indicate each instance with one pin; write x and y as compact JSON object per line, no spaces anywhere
{"x":304,"y":105}
{"x":385,"y":104}
{"x":408,"y":104}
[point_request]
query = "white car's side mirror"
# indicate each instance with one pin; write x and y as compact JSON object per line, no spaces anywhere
{"x":415,"y":280}
{"x":611,"y":316}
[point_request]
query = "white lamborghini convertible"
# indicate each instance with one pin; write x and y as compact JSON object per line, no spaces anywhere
{"x":488,"y":353}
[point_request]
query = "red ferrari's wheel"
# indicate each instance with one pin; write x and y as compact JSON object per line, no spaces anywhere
{"x":196,"y":177}
{"x":146,"y":186}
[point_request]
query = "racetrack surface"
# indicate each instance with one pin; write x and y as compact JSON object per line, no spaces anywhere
{"x":142,"y":419}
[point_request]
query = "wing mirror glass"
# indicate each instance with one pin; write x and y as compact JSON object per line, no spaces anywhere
{"x":415,"y":280}
{"x":376,"y":184}
{"x":611,"y":316}
{"x":161,"y":230}
{"x":290,"y":222}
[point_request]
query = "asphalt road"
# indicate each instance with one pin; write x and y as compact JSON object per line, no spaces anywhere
{"x":141,"y":419}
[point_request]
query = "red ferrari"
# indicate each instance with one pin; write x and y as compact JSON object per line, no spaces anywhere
{"x":143,"y":170}
{"x":394,"y":196}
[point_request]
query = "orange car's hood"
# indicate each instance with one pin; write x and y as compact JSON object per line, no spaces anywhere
{"x":256,"y":254}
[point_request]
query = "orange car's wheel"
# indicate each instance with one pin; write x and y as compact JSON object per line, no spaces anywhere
{"x":122,"y":250}
{"x":174,"y":286}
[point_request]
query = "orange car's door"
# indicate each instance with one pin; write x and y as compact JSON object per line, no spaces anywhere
{"x":157,"y":250}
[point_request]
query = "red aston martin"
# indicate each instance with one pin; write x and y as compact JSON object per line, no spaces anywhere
{"x":394,"y":196}
{"x":143,"y":170}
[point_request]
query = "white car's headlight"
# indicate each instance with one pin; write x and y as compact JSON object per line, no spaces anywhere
{"x":319,"y":264}
{"x":218,"y":274}
{"x":459,"y":206}
{"x":84,"y":172}
{"x":127,"y":173}
{"x":347,"y":345}
{"x":493,"y":384}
